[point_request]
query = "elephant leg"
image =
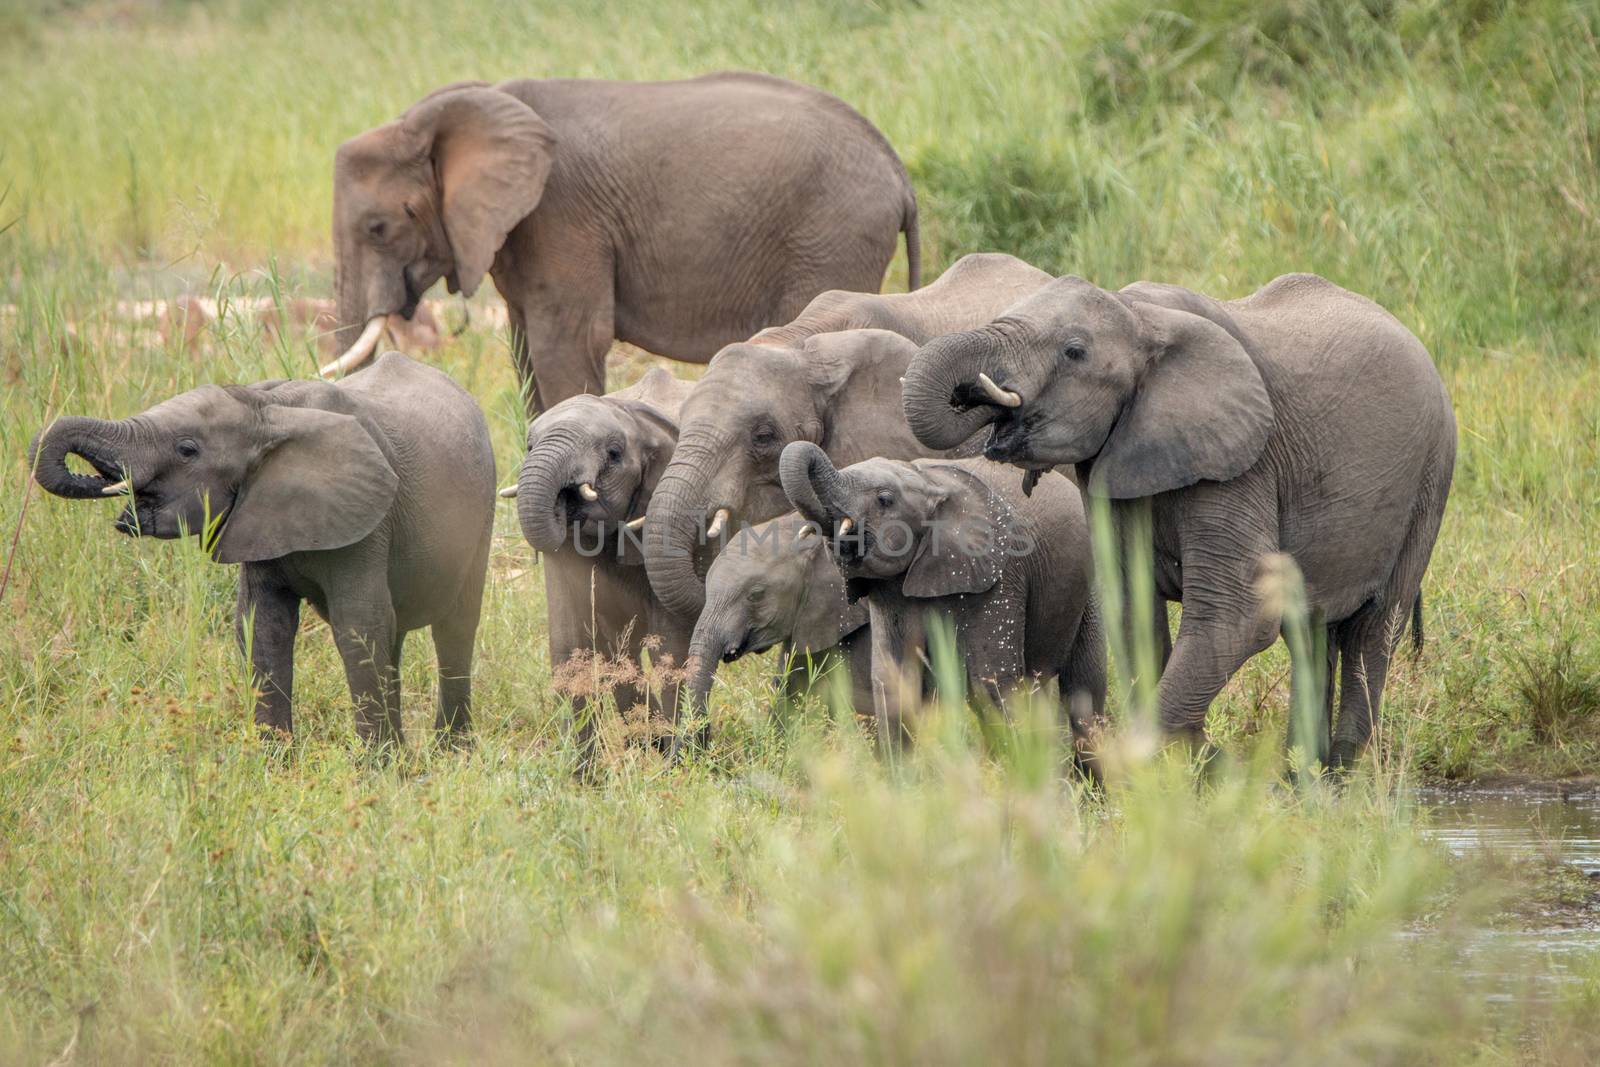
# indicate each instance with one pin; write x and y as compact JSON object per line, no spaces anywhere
{"x":453,"y":640}
{"x":560,"y":349}
{"x":1082,"y":690}
{"x":266,"y":618}
{"x":369,"y":644}
{"x":896,"y":677}
{"x":1368,"y":638}
{"x":1366,"y":642}
{"x":1207,"y":653}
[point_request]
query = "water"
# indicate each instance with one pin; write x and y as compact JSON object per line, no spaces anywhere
{"x":1535,"y":957}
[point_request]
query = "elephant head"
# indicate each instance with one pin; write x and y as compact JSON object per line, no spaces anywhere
{"x":774,"y":582}
{"x":837,"y":390}
{"x":933,"y":522}
{"x":591,"y":467}
{"x":431,"y":195}
{"x":1150,"y":397}
{"x":280,"y":466}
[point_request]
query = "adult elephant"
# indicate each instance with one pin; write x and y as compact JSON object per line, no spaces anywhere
{"x":678,"y":216}
{"x":1302,"y":419}
{"x":831,"y":376}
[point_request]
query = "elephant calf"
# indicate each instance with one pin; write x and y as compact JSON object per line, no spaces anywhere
{"x":772,"y":585}
{"x":591,"y":467}
{"x":373,"y":499}
{"x":958,"y":538}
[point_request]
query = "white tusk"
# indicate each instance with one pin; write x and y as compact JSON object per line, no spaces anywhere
{"x":846,"y":524}
{"x":806,"y":531}
{"x":359,"y":352}
{"x":635,"y":524}
{"x":718,"y":520}
{"x":587,"y":492}
{"x":118,"y":489}
{"x":509,"y":491}
{"x":1004,"y":397}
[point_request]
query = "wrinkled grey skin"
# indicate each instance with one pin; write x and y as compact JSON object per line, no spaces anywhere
{"x":773,"y":586}
{"x":678,"y":216}
{"x":1302,"y":419}
{"x":974,"y":289}
{"x":958,"y":539}
{"x":839,"y":390}
{"x":373,"y":499}
{"x":597,"y":593}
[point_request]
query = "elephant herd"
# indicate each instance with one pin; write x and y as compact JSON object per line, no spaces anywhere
{"x":853,"y":471}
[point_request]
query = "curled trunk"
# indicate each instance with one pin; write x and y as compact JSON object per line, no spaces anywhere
{"x":103,"y":443}
{"x":675,"y":521}
{"x":812,"y":484}
{"x":942,"y":402}
{"x":541,"y":511}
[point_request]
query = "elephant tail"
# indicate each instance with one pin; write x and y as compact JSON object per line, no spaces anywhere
{"x":1416,"y":625}
{"x":908,"y":226}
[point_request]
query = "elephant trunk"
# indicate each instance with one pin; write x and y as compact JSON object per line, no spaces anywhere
{"x":349,"y":299}
{"x":940,"y":393}
{"x":714,"y":635}
{"x":812,"y":484}
{"x":675,"y":520}
{"x":542,"y":503}
{"x":103,"y":443}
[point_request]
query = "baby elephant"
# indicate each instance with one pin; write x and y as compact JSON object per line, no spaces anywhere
{"x":591,"y":467}
{"x":373,"y":499}
{"x":775,"y":583}
{"x":957,"y":538}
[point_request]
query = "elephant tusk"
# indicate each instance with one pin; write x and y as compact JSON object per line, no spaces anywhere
{"x":1004,"y":397}
{"x":635,"y":524}
{"x":588,"y":493}
{"x":718,"y":521}
{"x":509,"y":491}
{"x":359,"y":352}
{"x":846,"y":524}
{"x":119,"y":489}
{"x":806,"y":531}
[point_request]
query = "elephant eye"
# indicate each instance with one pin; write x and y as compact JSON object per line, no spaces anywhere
{"x":764,"y":437}
{"x":614,"y":454}
{"x":1075,"y":351}
{"x":187,"y":448}
{"x":376,"y":229}
{"x":757,"y":592}
{"x":885,"y":499}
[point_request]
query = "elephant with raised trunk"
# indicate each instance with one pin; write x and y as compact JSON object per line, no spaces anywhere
{"x":775,"y":584}
{"x":1303,"y":420}
{"x":958,"y":539}
{"x":373,"y":499}
{"x":588,"y":475}
{"x":679,"y":216}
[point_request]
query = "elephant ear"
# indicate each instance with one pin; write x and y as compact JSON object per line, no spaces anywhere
{"x":960,"y":551}
{"x":824,"y":616}
{"x":321,"y":483}
{"x":491,"y":153}
{"x":1201,"y":413}
{"x":655,"y":436}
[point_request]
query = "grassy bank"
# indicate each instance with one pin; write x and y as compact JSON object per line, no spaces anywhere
{"x":169,"y":890}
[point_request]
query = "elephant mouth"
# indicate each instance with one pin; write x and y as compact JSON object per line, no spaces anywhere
{"x":1008,"y":442}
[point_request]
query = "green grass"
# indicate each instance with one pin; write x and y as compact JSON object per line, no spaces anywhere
{"x":169,"y":890}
